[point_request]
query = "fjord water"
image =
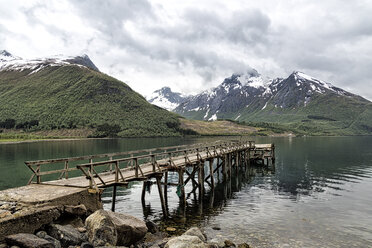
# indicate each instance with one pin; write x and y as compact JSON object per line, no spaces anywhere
{"x":320,"y":193}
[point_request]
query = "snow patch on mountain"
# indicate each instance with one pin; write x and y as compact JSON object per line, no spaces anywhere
{"x":253,"y":79}
{"x":8,"y":62}
{"x":166,"y":98}
{"x":316,"y":84}
{"x":213,"y":117}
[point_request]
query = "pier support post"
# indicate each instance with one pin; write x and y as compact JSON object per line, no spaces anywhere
{"x":163,"y":206}
{"x":143,"y":195}
{"x":224,"y":165}
{"x":201,"y":179}
{"x":166,"y":187}
{"x":211,"y":172}
{"x":229,"y":165}
{"x":181,"y":185}
{"x":113,"y":198}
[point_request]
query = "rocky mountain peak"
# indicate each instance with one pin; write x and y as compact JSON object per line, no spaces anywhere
{"x":7,"y":56}
{"x":166,"y":98}
{"x":8,"y":62}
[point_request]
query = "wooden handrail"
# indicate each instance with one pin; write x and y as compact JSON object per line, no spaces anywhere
{"x":163,"y":154}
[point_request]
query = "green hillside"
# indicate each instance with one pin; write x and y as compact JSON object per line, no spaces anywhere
{"x":60,"y":97}
{"x":325,"y":115}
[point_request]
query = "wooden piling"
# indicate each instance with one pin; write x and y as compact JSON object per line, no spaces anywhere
{"x":143,"y":195}
{"x":211,"y":172}
{"x":162,"y":201}
{"x":224,"y":167}
{"x":113,"y":198}
{"x":201,"y":179}
{"x":166,"y":187}
{"x":182,"y":186}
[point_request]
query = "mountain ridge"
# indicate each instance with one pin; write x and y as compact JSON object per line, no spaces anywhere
{"x":299,"y":100}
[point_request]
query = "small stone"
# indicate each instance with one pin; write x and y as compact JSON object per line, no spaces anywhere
{"x":27,"y":240}
{"x":229,"y":243}
{"x":185,"y":241}
{"x":243,"y":245}
{"x":3,"y":245}
{"x":86,"y":245}
{"x":5,"y":213}
{"x":170,"y":229}
{"x":52,"y":240}
{"x":79,"y":210}
{"x":213,"y":245}
{"x":152,"y":227}
{"x":216,"y":228}
{"x":81,"y":229}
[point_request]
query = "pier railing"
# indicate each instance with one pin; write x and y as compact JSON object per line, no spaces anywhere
{"x":178,"y":157}
{"x":128,"y":160}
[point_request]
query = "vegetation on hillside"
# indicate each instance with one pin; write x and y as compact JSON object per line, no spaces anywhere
{"x":69,"y":97}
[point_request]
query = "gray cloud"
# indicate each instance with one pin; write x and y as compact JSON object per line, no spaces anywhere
{"x":155,"y":43}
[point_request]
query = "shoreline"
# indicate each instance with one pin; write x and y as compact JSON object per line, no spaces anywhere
{"x":8,"y":141}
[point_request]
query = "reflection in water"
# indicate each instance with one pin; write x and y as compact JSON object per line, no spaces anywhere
{"x":198,"y":207}
{"x":319,"y":195}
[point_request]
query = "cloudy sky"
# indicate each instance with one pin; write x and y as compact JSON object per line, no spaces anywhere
{"x":192,"y":45}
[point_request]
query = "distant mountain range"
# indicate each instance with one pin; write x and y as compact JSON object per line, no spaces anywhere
{"x":62,"y":92}
{"x":299,"y":101}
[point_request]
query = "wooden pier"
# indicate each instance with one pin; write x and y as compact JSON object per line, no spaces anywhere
{"x":118,"y":169}
{"x":56,"y":183}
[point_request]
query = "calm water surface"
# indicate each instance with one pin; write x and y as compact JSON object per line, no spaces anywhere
{"x":320,"y":194}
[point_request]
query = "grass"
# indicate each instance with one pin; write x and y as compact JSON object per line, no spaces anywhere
{"x":76,"y":97}
{"x":231,"y":128}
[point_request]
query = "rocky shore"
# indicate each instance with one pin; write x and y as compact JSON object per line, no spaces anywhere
{"x":76,"y":227}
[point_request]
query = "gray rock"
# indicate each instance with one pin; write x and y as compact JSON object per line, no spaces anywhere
{"x":129,"y":229}
{"x":27,"y":240}
{"x":79,"y":210}
{"x":101,"y":229}
{"x":52,"y":240}
{"x":185,"y":241}
{"x":152,"y":227}
{"x":67,"y":235}
{"x":3,"y":245}
{"x":194,"y":231}
{"x":229,"y":243}
{"x":86,"y":245}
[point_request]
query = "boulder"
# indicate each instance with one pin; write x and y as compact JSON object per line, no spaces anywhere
{"x":101,"y":229}
{"x":186,"y":241}
{"x":44,"y":235}
{"x":28,"y":221}
{"x":78,"y":210}
{"x":67,"y":235}
{"x":194,"y":231}
{"x":130,"y":229}
{"x":27,"y":240}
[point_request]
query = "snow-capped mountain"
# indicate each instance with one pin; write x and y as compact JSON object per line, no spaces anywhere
{"x":249,"y":95}
{"x":9,"y":62}
{"x":166,"y":98}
